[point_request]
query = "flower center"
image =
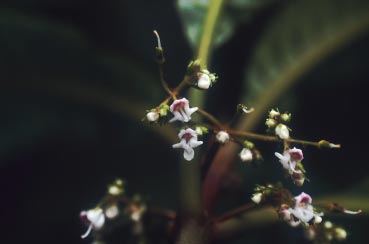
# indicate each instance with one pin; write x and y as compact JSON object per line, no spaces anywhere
{"x":187,"y":136}
{"x":178,"y":106}
{"x":295,"y":156}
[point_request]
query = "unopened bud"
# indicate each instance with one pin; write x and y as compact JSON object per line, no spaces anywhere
{"x":286,"y":117}
{"x":200,"y":130}
{"x":256,"y":197}
{"x":204,"y":81}
{"x":274,"y":114}
{"x":298,"y":178}
{"x":112,"y":211}
{"x":317,"y":219}
{"x":328,"y":224}
{"x":270,"y":123}
{"x":152,"y":116}
{"x":282,"y":131}
{"x":163,"y":110}
{"x":340,"y":233}
{"x":327,"y":144}
{"x":222,"y":137}
{"x":246,"y":155}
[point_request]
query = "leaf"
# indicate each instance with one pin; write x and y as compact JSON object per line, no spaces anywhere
{"x":193,"y":12}
{"x":298,"y":38}
{"x":43,"y":62}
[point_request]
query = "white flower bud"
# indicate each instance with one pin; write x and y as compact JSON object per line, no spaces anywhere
{"x":246,"y":155}
{"x":222,"y":137}
{"x":341,"y":234}
{"x":328,"y":224}
{"x":204,"y":81}
{"x":273,"y":114}
{"x":317,"y":219}
{"x":270,"y":123}
{"x":198,"y":130}
{"x":152,"y":116}
{"x":256,"y":197}
{"x":112,"y":211}
{"x":115,"y":190}
{"x":286,"y":117}
{"x":282,"y":131}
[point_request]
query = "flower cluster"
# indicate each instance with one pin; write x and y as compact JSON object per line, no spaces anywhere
{"x":302,"y":212}
{"x":277,"y":122}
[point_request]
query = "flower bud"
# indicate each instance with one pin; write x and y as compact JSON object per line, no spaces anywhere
{"x":340,"y":234}
{"x":152,"y":116}
{"x":222,"y":137}
{"x":317,"y":219}
{"x":256,"y":197}
{"x":274,"y":114}
{"x":163,"y":110}
{"x":286,"y":117}
{"x":282,"y":131}
{"x":298,"y":178}
{"x":112,"y":211}
{"x":270,"y":123}
{"x":328,"y":224}
{"x":204,"y":81}
{"x":246,"y":155}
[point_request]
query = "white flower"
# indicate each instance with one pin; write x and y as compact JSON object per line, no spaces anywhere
{"x":246,"y":155}
{"x":222,"y":136}
{"x":152,"y":116}
{"x":188,"y":141}
{"x":256,"y":197}
{"x":290,"y":158}
{"x":274,"y":114}
{"x":94,"y":218}
{"x":302,"y":212}
{"x":282,"y":131}
{"x":181,"y":110}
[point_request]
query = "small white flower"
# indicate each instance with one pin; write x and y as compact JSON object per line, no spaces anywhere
{"x":246,"y":155}
{"x":282,"y":131}
{"x":256,"y":197}
{"x":303,"y":211}
{"x":222,"y":136}
{"x":181,"y":110}
{"x":188,"y":141}
{"x":95,"y":218}
{"x":152,"y":116}
{"x":290,"y":158}
{"x":274,"y":114}
{"x":328,"y":225}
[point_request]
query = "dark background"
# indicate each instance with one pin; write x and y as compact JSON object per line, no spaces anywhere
{"x":64,"y":136}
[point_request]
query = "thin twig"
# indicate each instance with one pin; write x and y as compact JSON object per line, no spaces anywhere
{"x":235,"y":212}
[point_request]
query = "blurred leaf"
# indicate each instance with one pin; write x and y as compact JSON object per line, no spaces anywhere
{"x":193,"y":12}
{"x":42,"y":57}
{"x":299,"y":37}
